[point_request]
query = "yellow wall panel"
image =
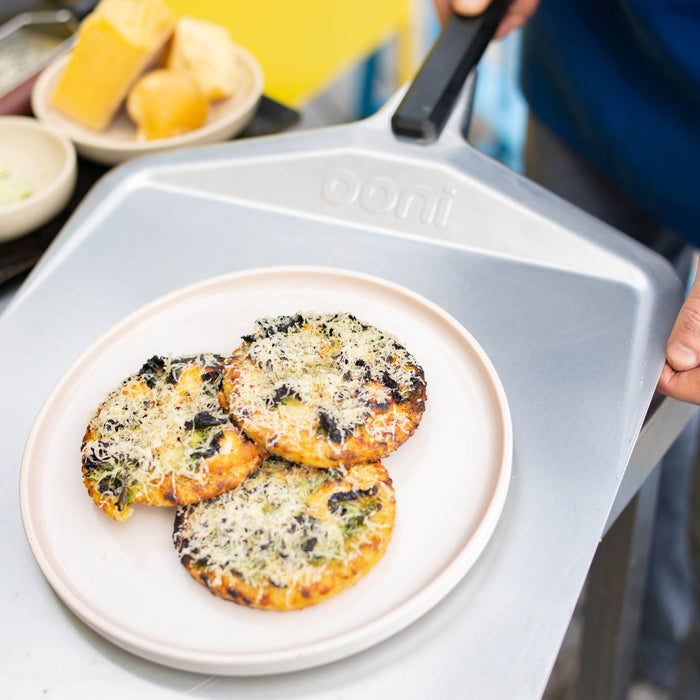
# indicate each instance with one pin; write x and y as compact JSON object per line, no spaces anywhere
{"x":303,"y":44}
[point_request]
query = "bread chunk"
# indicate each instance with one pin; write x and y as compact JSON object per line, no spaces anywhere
{"x":204,"y":51}
{"x":115,"y":45}
{"x":164,"y":104}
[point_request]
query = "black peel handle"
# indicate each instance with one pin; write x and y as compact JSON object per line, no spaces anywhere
{"x":430,"y":98}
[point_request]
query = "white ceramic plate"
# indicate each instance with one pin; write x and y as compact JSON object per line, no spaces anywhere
{"x":118,"y":143}
{"x":125,"y":579}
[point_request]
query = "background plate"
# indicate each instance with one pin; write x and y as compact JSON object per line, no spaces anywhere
{"x":118,"y":142}
{"x":125,"y":580}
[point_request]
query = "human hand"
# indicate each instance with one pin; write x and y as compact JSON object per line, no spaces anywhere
{"x":518,"y":12}
{"x":680,"y":377}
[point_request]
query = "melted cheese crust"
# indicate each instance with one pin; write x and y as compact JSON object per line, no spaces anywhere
{"x":324,"y":389}
{"x":288,"y":536}
{"x":163,"y":438}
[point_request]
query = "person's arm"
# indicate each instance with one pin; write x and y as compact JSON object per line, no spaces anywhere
{"x":518,"y":12}
{"x":680,"y":377}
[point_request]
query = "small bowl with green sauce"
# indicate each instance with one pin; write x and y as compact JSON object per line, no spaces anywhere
{"x":37,"y":175}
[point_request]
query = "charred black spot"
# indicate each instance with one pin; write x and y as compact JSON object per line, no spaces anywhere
{"x":179,"y":521}
{"x":330,"y":425}
{"x":91,"y":464}
{"x":337,"y":499}
{"x":247,"y":439}
{"x":173,"y":375}
{"x":205,"y":419}
{"x":289,"y":323}
{"x":309,"y":544}
{"x":305,"y":592}
{"x":360,"y":362}
{"x":417,"y":384}
{"x":151,"y":369}
{"x":277,"y":585}
{"x":202,"y":561}
{"x":110,"y":484}
{"x":122,"y":499}
{"x":213,"y":376}
{"x":237,"y":595}
{"x":390,"y":383}
{"x":347,"y":376}
{"x":170,"y":497}
{"x":153,"y":366}
{"x":211,"y":449}
{"x":285,"y":391}
{"x":113,"y":425}
{"x":248,"y":338}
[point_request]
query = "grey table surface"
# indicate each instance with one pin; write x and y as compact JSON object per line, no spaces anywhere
{"x":573,"y":316}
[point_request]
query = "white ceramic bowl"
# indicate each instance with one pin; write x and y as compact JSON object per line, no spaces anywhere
{"x":44,"y":158}
{"x":118,"y":142}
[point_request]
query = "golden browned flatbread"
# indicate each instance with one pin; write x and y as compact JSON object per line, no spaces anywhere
{"x":163,"y":438}
{"x":288,"y":536}
{"x":324,"y":389}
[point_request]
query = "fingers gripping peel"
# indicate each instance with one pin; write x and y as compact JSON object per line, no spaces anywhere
{"x":680,"y":377}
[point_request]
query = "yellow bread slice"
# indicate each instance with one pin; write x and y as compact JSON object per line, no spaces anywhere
{"x":164,"y":103}
{"x":115,"y":44}
{"x":205,"y":52}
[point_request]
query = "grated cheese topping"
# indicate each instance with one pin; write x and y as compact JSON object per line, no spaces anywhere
{"x":282,"y":526}
{"x":163,"y":421}
{"x":342,"y":369}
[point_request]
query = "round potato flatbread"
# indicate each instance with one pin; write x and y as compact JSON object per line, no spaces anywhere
{"x":163,"y":438}
{"x":324,"y":389}
{"x":288,"y":536}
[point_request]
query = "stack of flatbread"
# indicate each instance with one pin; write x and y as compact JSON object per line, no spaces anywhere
{"x":271,"y":454}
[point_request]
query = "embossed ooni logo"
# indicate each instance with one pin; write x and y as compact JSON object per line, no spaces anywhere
{"x":381,"y":195}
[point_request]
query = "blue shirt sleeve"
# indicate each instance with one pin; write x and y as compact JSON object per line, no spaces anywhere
{"x":619,"y":81}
